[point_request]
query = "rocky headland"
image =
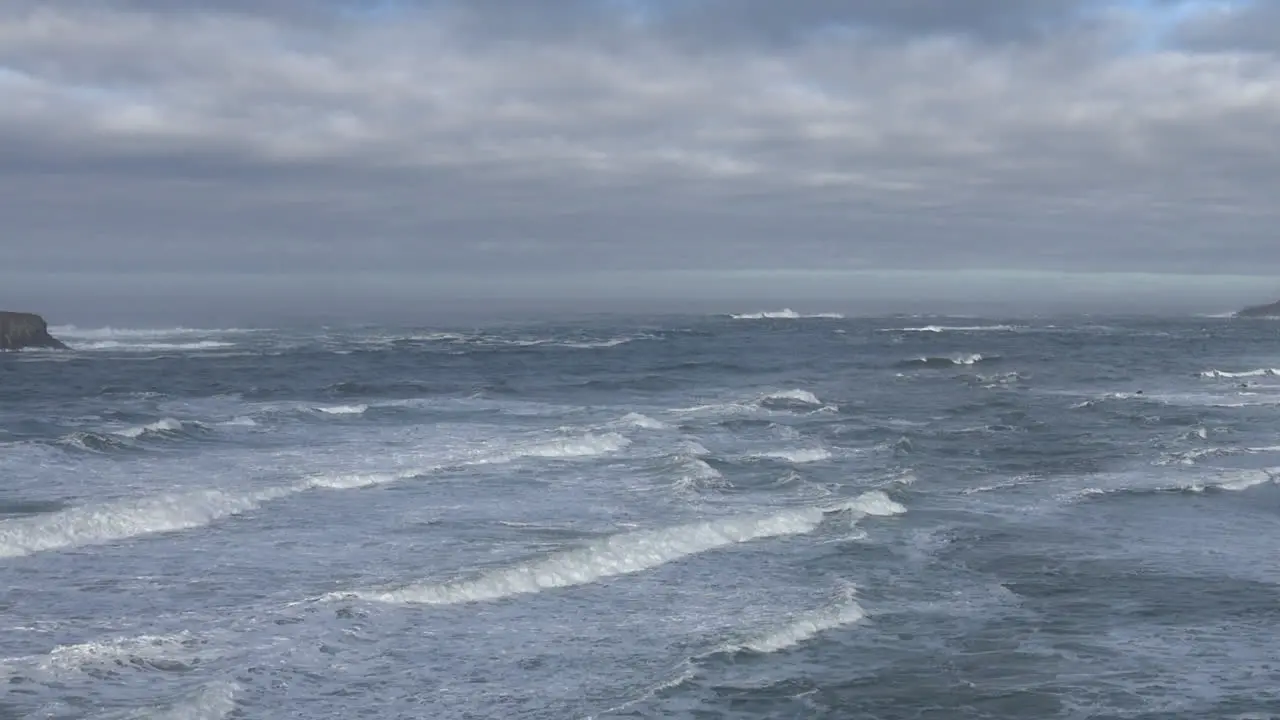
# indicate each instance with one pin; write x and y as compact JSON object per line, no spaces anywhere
{"x":19,"y":330}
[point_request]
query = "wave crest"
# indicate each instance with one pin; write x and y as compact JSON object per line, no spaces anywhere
{"x":623,"y":554}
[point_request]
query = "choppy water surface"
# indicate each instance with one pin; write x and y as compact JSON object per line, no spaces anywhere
{"x":769,"y":515}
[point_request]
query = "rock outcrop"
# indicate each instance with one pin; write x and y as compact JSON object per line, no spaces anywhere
{"x":25,"y":330}
{"x":1272,"y":310}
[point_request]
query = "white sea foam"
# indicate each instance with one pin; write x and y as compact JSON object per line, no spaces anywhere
{"x":1260,"y":372}
{"x":694,"y":473}
{"x":139,"y":651}
{"x":160,"y":426}
{"x":790,"y":397}
{"x":353,"y":481}
{"x":596,"y":344}
{"x":805,"y":627}
{"x":343,"y":409}
{"x":955,"y":359}
{"x":123,"y":519}
{"x":618,"y":555}
{"x":586,"y":445}
{"x":111,"y":333}
{"x":108,"y":522}
{"x":785,"y":314}
{"x":1222,"y":480}
{"x":624,"y":554}
{"x":954,"y":328}
{"x":644,"y":421}
{"x":798,"y":456}
{"x":139,"y":346}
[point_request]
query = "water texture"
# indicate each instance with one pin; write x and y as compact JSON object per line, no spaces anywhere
{"x":762,"y":515}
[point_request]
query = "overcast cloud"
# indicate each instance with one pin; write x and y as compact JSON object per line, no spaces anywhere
{"x":582,"y":146}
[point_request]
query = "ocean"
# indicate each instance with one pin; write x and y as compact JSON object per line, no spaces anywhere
{"x":765,"y":515}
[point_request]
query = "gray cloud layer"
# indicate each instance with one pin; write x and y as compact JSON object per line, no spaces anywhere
{"x":507,"y":137}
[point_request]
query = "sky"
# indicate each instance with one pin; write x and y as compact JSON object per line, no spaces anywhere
{"x":360,"y":156}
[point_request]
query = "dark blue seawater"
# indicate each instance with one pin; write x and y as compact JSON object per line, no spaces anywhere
{"x":703,"y":517}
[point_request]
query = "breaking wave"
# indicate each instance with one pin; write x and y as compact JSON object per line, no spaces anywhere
{"x":799,"y":456}
{"x":786,"y":314}
{"x":804,"y":627}
{"x":343,"y":409}
{"x":643,"y":421}
{"x":954,"y":328}
{"x":1225,"y":482}
{"x":1260,"y":372}
{"x":164,"y":427}
{"x":789,"y":399}
{"x":623,"y":554}
{"x":948,"y":360}
{"x":108,"y":522}
{"x":124,"y":346}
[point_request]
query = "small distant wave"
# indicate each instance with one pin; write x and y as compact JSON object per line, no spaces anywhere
{"x":799,"y":456}
{"x":482,"y":341}
{"x":782,"y":400}
{"x":389,"y":389}
{"x":123,"y":346}
{"x":1001,"y":379}
{"x":643,"y":421}
{"x":585,"y":445}
{"x":622,"y":554}
{"x":1260,"y":372}
{"x":112,"y":333}
{"x":343,"y":409}
{"x":786,"y":314}
{"x":948,"y":360}
{"x":171,"y":653}
{"x":164,"y":427}
{"x":790,"y":399}
{"x":694,"y":474}
{"x":1226,"y":481}
{"x":955,"y":328}
{"x":1094,"y":402}
{"x":354,"y":481}
{"x":93,"y":442}
{"x":804,"y":627}
{"x":126,"y":439}
{"x":596,"y":344}
{"x":1191,"y":457}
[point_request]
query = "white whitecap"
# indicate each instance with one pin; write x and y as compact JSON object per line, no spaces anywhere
{"x":798,"y":456}
{"x":1260,"y":372}
{"x":161,"y":425}
{"x":805,"y":627}
{"x":343,"y":409}
{"x":123,"y":519}
{"x":643,"y":421}
{"x":785,"y":314}
{"x":623,"y":554}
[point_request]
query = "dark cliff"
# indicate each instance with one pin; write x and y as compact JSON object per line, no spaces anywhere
{"x":25,"y":330}
{"x":1272,"y":310}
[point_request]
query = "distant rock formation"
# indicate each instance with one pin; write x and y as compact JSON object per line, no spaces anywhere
{"x":1257,"y":311}
{"x":25,"y":330}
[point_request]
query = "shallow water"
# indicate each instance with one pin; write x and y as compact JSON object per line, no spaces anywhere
{"x":768,"y":515}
